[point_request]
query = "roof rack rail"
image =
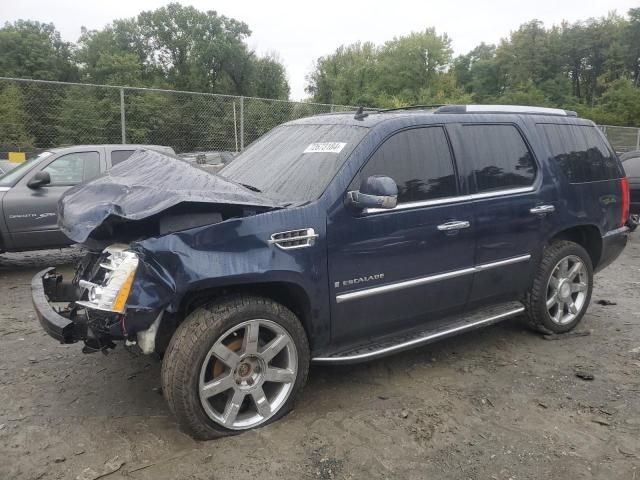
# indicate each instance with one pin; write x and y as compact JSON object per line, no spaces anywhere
{"x":505,"y":109}
{"x":413,"y":107}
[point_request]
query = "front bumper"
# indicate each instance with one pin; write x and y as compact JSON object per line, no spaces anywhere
{"x":45,"y":286}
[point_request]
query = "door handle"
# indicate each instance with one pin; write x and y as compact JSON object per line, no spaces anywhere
{"x":454,"y":225}
{"x":543,"y":209}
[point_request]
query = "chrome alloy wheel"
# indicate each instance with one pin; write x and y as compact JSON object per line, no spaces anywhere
{"x":248,"y":374}
{"x":567,"y":290}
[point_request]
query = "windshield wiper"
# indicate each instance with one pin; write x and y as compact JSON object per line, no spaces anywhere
{"x":251,"y":187}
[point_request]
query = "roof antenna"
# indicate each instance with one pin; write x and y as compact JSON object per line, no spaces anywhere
{"x":360,"y":114}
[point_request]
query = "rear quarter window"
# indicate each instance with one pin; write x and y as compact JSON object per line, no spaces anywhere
{"x":580,"y":152}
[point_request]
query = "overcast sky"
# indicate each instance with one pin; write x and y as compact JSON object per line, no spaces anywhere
{"x":300,"y":30}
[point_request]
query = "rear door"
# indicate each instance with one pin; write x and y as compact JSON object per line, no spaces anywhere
{"x":511,"y":208}
{"x":31,"y":214}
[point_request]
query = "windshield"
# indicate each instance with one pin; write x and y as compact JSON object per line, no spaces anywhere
{"x":12,"y":177}
{"x":295,"y":163}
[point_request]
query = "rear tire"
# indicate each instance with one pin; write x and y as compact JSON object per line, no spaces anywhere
{"x":561,"y":290}
{"x":233,"y":365}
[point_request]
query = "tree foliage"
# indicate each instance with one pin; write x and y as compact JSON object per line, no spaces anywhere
{"x":13,"y":121}
{"x":591,"y":66}
{"x":34,"y":50}
{"x":174,"y":47}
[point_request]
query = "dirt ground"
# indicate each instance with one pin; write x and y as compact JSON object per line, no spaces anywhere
{"x":498,"y":403}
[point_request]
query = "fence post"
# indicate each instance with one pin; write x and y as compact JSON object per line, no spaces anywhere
{"x":122,"y":117}
{"x":241,"y":124}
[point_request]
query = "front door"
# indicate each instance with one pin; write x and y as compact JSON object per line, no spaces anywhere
{"x":393,"y":269}
{"x":31,"y":214}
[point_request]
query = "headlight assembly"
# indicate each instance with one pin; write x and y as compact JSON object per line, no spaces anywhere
{"x":111,"y":293}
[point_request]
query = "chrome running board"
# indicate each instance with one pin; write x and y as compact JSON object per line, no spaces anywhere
{"x":391,"y":345}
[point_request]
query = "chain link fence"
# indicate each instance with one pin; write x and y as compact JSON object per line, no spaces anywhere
{"x":622,"y":139}
{"x":37,"y":114}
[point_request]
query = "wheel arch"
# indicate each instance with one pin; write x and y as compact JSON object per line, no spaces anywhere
{"x":289,"y":294}
{"x":587,"y":236}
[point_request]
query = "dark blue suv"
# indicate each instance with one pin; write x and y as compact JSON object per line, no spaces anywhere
{"x":335,"y":239}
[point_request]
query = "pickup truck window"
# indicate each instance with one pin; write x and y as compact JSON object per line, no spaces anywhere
{"x":10,"y":178}
{"x":581,"y":152}
{"x":295,"y":163}
{"x":420,"y":162}
{"x":74,"y":168}
{"x":499,"y":156}
{"x":119,"y":156}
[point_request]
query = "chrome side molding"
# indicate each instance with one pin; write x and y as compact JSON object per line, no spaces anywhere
{"x":450,"y":200}
{"x":392,"y":287}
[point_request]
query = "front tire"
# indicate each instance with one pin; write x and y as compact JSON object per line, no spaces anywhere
{"x":561,"y":290}
{"x":234,"y":365}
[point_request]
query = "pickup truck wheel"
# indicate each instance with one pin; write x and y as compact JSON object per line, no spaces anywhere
{"x":561,"y":290}
{"x":234,"y":365}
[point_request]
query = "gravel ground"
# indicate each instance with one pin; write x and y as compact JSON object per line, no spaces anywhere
{"x":499,"y":403}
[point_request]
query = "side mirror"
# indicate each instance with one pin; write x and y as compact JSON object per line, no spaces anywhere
{"x":39,"y":179}
{"x":375,"y":192}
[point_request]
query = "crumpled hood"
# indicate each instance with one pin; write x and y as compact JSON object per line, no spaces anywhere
{"x":146,"y":184}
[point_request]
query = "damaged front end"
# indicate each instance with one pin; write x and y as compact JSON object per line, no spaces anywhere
{"x":92,"y":307}
{"x":119,"y":292}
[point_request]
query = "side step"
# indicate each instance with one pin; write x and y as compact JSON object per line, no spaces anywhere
{"x":445,"y":328}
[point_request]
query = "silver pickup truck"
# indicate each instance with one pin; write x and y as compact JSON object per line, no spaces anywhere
{"x":29,"y":193}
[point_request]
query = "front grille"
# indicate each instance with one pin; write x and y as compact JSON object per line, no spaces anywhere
{"x":304,"y":237}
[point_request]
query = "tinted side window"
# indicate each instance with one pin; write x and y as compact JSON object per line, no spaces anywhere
{"x":119,"y":156}
{"x":581,"y":152}
{"x":420,"y":162}
{"x":74,"y":168}
{"x":632,"y":167}
{"x":499,"y":156}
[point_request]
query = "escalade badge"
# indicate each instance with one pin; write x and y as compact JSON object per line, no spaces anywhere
{"x":358,"y":280}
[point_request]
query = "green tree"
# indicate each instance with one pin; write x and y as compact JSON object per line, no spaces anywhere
{"x":479,"y":73}
{"x":408,"y":65}
{"x":196,"y":50}
{"x":13,"y":120}
{"x":270,"y":78}
{"x":88,"y":115}
{"x":346,"y":77}
{"x":631,"y":39}
{"x":115,"y":55}
{"x":31,"y":49}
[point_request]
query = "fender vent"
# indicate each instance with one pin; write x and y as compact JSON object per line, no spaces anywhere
{"x":305,"y":237}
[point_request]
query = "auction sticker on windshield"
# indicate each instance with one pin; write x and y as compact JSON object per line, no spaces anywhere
{"x":325,"y":147}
